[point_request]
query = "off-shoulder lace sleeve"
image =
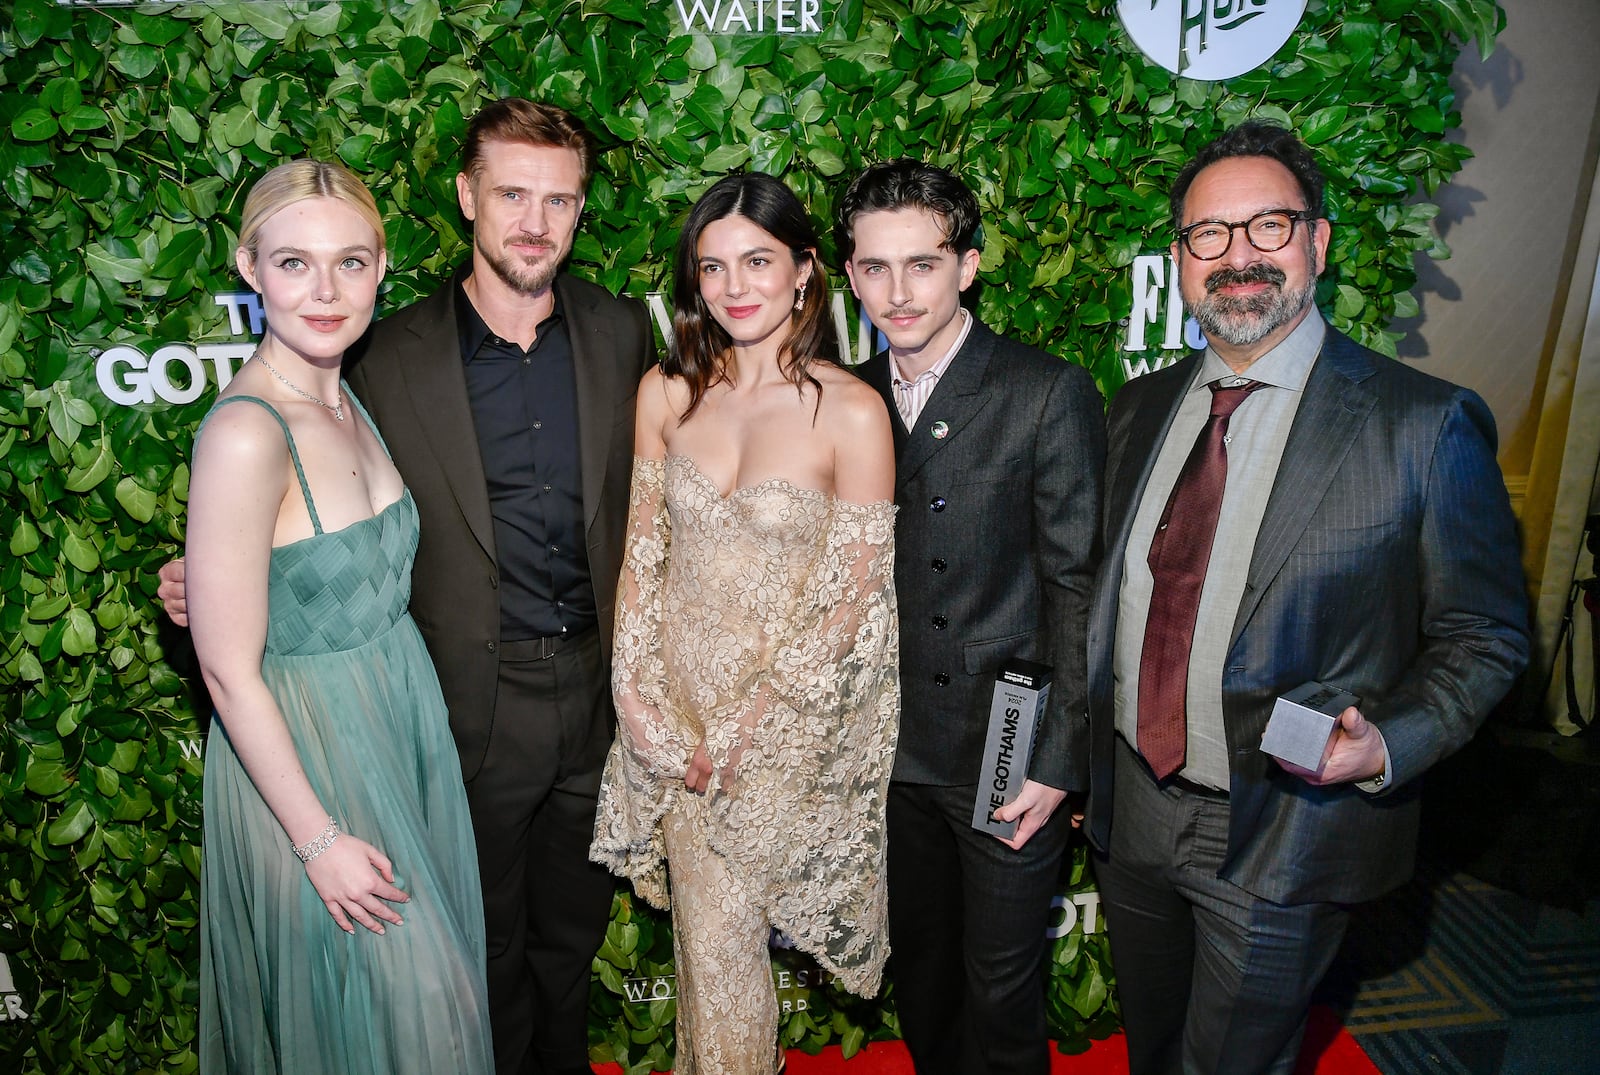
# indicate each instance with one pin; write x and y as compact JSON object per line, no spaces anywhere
{"x":651,"y":750}
{"x":638,"y":673}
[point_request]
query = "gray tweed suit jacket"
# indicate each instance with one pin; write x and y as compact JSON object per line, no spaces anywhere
{"x":998,"y":490}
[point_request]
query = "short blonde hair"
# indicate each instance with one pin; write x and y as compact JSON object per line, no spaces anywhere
{"x":295,"y":182}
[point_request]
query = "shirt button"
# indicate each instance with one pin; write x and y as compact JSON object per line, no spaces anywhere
{"x":938,"y":565}
{"x":936,"y":504}
{"x":940,"y":623}
{"x":941,"y":679}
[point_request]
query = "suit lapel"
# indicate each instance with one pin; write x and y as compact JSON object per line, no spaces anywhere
{"x":1335,"y":406}
{"x":1137,"y":446}
{"x":437,"y":384}
{"x":955,"y":401}
{"x":595,"y":373}
{"x":875,"y":371}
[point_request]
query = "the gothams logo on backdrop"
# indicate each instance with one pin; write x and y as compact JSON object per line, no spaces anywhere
{"x":1210,"y":40}
{"x":177,"y":372}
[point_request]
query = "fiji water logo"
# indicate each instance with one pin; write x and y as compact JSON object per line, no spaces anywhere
{"x":748,"y":16}
{"x":10,"y":1000}
{"x":1210,"y":40}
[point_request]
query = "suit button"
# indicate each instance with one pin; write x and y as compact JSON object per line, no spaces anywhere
{"x":939,"y":565}
{"x":940,"y":623}
{"x":491,"y":647}
{"x":941,"y":679}
{"x":936,"y":504}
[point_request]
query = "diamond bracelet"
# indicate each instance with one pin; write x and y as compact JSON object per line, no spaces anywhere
{"x":318,"y":843}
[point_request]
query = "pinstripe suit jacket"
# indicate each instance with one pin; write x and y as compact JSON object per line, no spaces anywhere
{"x":1387,"y":563}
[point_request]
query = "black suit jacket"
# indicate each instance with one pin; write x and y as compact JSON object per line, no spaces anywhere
{"x":994,"y":552}
{"x":1386,"y":563}
{"x":409,"y":375}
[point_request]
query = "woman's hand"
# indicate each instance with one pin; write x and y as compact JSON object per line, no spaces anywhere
{"x":698,"y":778}
{"x":353,"y":878}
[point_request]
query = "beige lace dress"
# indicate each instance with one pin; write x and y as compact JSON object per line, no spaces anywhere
{"x":763,"y":624}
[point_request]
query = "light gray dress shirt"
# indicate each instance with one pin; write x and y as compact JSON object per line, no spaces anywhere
{"x":1257,"y":433}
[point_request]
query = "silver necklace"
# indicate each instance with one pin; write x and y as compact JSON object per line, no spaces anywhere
{"x":337,"y":406}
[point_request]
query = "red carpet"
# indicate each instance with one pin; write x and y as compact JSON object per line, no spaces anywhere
{"x":1329,"y":1050}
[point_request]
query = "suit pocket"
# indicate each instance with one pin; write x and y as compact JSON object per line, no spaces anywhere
{"x":987,"y":473}
{"x":1338,"y":541}
{"x":980,"y":657}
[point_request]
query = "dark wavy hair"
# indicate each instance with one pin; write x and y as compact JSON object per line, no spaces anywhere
{"x":910,"y":184}
{"x":1255,"y":138}
{"x":701,"y":347}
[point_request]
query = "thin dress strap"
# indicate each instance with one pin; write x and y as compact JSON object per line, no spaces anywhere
{"x":294,"y":454}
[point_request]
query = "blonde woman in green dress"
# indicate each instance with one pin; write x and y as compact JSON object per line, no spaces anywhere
{"x":340,"y":913}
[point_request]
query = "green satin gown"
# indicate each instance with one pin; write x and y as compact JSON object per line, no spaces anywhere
{"x":282,"y":988}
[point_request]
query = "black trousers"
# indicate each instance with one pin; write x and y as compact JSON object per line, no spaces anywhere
{"x":545,"y":904}
{"x":1213,"y":980}
{"x":967,"y":921}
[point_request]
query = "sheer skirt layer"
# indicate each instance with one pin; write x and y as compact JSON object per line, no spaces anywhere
{"x":283,"y":989}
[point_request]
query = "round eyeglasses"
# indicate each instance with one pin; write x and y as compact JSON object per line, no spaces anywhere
{"x":1267,"y":231}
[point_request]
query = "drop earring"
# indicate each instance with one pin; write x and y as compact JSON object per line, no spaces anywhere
{"x":800,"y":298}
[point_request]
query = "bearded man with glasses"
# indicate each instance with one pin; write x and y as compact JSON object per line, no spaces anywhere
{"x":1284,"y":507}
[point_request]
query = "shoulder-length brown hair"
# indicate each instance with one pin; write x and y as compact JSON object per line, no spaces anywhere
{"x":701,"y":347}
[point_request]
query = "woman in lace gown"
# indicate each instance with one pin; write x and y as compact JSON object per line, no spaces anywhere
{"x":341,"y":923}
{"x":756,"y":639}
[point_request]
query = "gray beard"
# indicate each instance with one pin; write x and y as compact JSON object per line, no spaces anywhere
{"x":1246,"y":321}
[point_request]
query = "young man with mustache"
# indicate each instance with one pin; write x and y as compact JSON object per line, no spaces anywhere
{"x":999,"y":450}
{"x":1284,"y":507}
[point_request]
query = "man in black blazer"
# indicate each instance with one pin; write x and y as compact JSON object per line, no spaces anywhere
{"x":1363,"y":540}
{"x":507,"y":402}
{"x":999,"y":456}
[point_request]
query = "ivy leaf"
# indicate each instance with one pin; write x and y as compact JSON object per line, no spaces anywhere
{"x":79,"y":637}
{"x":82,"y":479}
{"x":182,"y":123}
{"x":24,"y":537}
{"x":948,"y":76}
{"x":725,"y":158}
{"x":135,"y":499}
{"x":69,"y":828}
{"x":45,"y":777}
{"x":386,"y":83}
{"x":179,"y":254}
{"x":80,"y":553}
{"x":34,"y":125}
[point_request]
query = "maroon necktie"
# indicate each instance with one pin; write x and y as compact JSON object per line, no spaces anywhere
{"x":1179,"y":553}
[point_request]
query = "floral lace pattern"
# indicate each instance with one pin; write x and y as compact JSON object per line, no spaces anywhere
{"x":762,"y":624}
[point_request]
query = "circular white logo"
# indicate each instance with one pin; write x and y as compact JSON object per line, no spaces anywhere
{"x":1210,"y":40}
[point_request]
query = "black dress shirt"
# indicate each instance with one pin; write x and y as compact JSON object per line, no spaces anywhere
{"x":525,"y":411}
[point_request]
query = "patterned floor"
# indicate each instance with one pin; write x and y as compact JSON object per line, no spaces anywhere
{"x":1489,"y":962}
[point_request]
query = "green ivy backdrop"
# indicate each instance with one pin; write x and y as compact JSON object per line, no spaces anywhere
{"x":127,"y":136}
